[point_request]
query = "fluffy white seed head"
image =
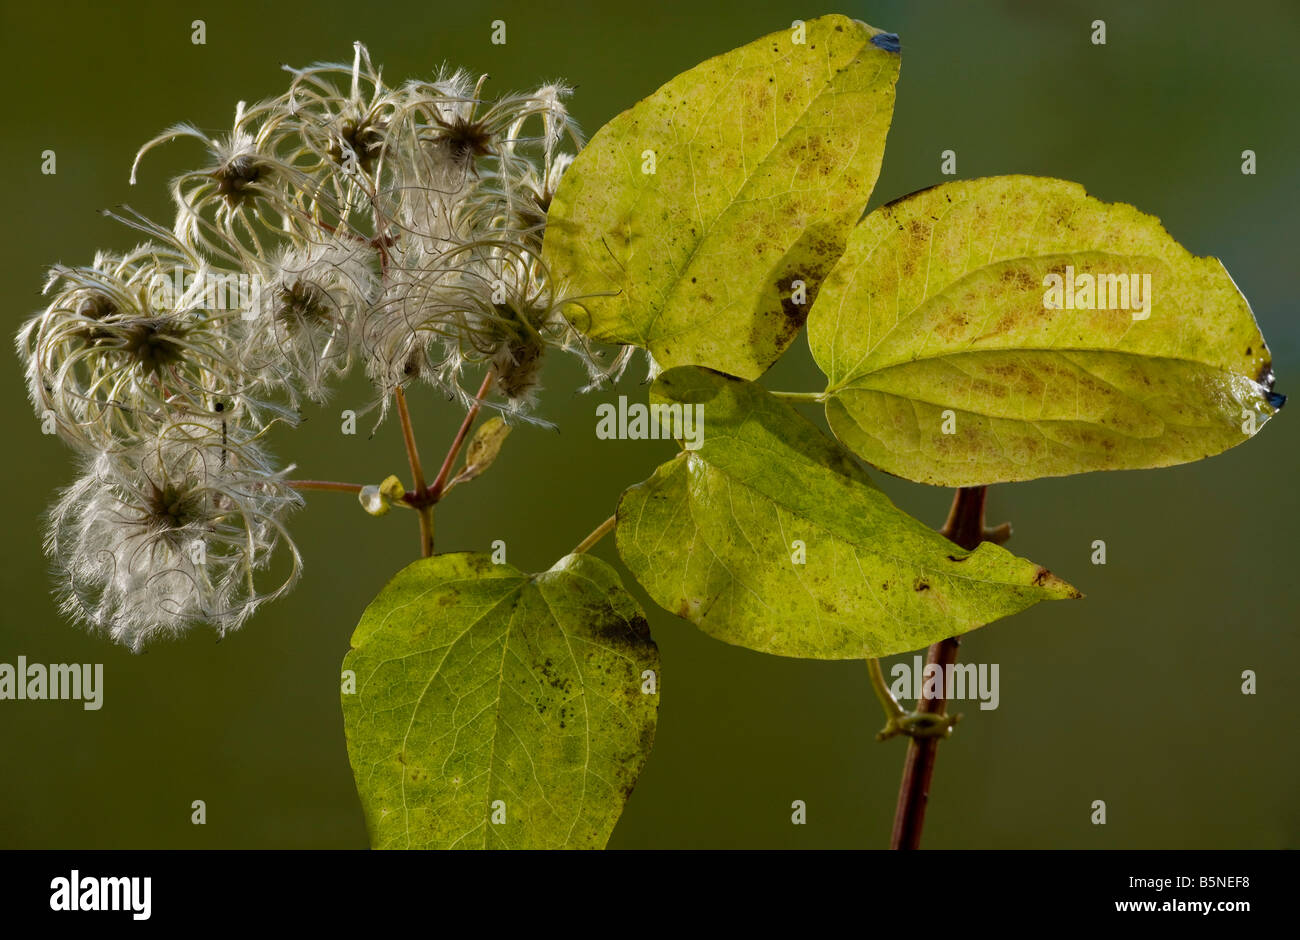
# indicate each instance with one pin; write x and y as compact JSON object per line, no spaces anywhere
{"x":401,"y":226}
{"x":176,"y":531}
{"x":311,"y":304}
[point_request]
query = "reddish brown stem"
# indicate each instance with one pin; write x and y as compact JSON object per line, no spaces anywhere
{"x":325,"y":485}
{"x":965,"y":527}
{"x":425,"y":514}
{"x":440,"y":481}
{"x":408,"y":438}
{"x":422,"y":497}
{"x":423,"y":510}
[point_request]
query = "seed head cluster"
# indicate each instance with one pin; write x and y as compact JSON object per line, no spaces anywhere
{"x":344,"y":222}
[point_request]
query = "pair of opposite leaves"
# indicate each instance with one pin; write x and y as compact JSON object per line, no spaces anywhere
{"x":944,"y":363}
{"x":499,"y":708}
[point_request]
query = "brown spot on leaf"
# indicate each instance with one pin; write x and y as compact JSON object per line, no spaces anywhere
{"x":628,"y":636}
{"x":647,"y":742}
{"x":951,"y":327}
{"x":1019,"y":276}
{"x":793,"y":315}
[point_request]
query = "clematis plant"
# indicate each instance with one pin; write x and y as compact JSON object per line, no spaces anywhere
{"x":977,"y":332}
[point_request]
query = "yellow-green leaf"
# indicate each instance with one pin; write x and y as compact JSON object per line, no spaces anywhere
{"x":497,"y":709}
{"x":696,"y":211}
{"x":771,"y":536}
{"x":948,"y":364}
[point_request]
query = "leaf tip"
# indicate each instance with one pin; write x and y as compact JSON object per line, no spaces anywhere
{"x":1054,"y":585}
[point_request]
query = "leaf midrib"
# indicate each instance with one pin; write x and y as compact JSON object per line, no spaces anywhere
{"x":857,"y":546}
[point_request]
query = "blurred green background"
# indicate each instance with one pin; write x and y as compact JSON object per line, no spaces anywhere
{"x":1131,"y":696}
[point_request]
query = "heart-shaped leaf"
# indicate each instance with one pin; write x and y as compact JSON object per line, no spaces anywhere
{"x":496,"y":709}
{"x":694,"y":214}
{"x":770,"y":536}
{"x":1014,"y":327}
